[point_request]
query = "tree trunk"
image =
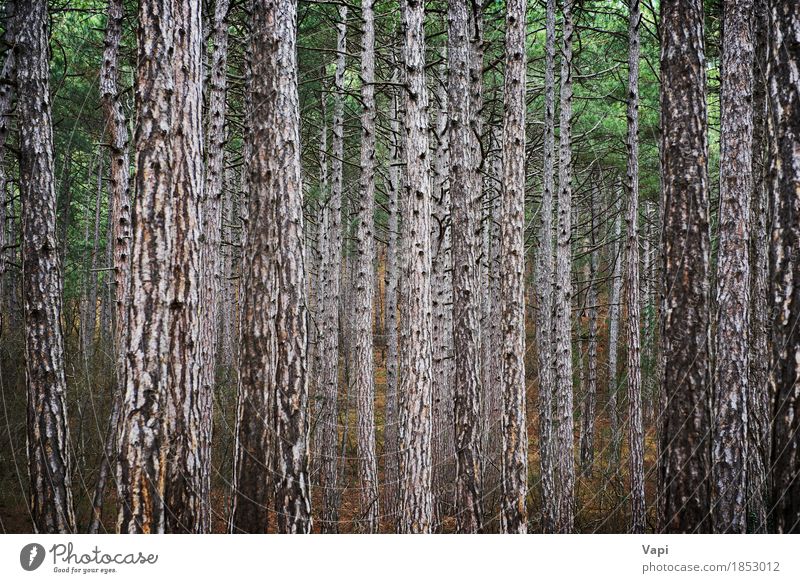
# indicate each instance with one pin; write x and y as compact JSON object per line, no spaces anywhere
{"x":160,"y":469}
{"x":590,"y":398}
{"x":685,"y":456}
{"x":635,"y":427}
{"x":144,"y":385}
{"x":364,"y":293}
{"x":441,"y":297}
{"x":120,"y":232}
{"x":543,"y":277}
{"x":784,"y":48}
{"x":465,"y":202}
{"x":277,"y":182}
{"x":49,"y":464}
{"x":7,"y":83}
{"x":317,"y":395}
{"x":614,"y":312}
{"x":390,"y":444}
{"x":65,"y":201}
{"x":89,"y":324}
{"x":729,"y":414}
{"x":492,"y":389}
{"x":514,"y":481}
{"x":563,"y":286}
{"x":212,"y":204}
{"x":331,"y":269}
{"x":187,"y":478}
{"x":415,"y":354}
{"x":758,"y":416}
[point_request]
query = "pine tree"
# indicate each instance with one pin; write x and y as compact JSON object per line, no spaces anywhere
{"x":684,"y":453}
{"x":729,"y":413}
{"x":465,"y":202}
{"x":784,"y":53}
{"x":514,"y":480}
{"x":415,"y":349}
{"x":49,"y":461}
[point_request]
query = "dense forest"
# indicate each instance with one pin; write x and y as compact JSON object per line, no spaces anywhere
{"x":465,"y":266}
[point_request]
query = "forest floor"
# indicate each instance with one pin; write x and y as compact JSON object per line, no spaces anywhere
{"x":601,"y":495}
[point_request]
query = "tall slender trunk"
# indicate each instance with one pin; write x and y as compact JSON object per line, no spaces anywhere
{"x":273,"y":359}
{"x":635,"y":427}
{"x":160,"y":465}
{"x":492,"y":389}
{"x":211,"y":265}
{"x":758,"y":416}
{"x":364,"y":292}
{"x":632,"y":288}
{"x":475,"y":88}
{"x":390,"y":445}
{"x":465,"y":214}
{"x":784,"y":48}
{"x":514,"y":481}
{"x":329,"y":333}
{"x":187,"y":478}
{"x":7,"y":83}
{"x":415,"y":351}
{"x":729,"y":414}
{"x":89,"y":324}
{"x":590,"y":397}
{"x":543,"y":276}
{"x":562,"y":304}
{"x":318,"y":396}
{"x":685,"y":453}
{"x":277,"y":142}
{"x":65,"y":201}
{"x":441,"y":297}
{"x":614,"y":313}
{"x":49,"y":463}
{"x":120,"y":232}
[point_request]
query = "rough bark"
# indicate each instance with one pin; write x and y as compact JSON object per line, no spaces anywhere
{"x":758,"y":416}
{"x":319,"y":294}
{"x":590,"y":397}
{"x":89,"y":321}
{"x":543,"y":276}
{"x":211,"y":264}
{"x":253,"y":459}
{"x":476,"y":57}
{"x":7,"y":84}
{"x":729,"y":412}
{"x":465,"y":202}
{"x":492,"y":388}
{"x":784,"y":51}
{"x":120,"y":231}
{"x":390,"y":444}
{"x":632,"y":290}
{"x":562,"y":325}
{"x":187,"y":478}
{"x":143,"y":442}
{"x":274,"y":332}
{"x":363,"y":379}
{"x":684,"y":456}
{"x":415,"y":350}
{"x":277,"y":146}
{"x":160,"y":467}
{"x":441,"y":298}
{"x":614,"y":313}
{"x":119,"y":174}
{"x":329,"y":333}
{"x":49,"y":464}
{"x":514,"y":481}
